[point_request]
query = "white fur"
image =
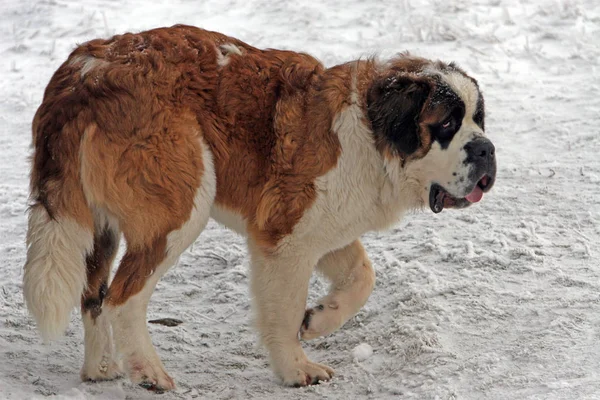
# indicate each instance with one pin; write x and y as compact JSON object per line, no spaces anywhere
{"x":279,"y":284}
{"x":231,"y":48}
{"x":88,"y":63}
{"x":230,"y":219}
{"x":352,"y":279}
{"x":468,"y":92}
{"x":55,"y":274}
{"x":132,"y":340}
{"x":99,"y":360}
{"x":181,"y":239}
{"x":439,"y":165}
{"x":465,"y":88}
{"x":224,"y":51}
{"x":104,"y":220}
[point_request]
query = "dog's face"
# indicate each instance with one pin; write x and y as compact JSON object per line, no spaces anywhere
{"x":430,"y":118}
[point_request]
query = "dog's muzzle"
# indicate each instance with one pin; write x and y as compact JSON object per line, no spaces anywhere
{"x":481,"y":155}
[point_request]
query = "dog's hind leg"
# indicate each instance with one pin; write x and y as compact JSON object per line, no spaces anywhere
{"x":99,"y":360}
{"x":129,"y":293}
{"x":352,"y":279}
{"x":142,"y":266}
{"x":159,"y":185}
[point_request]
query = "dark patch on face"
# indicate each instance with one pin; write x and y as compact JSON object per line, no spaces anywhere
{"x":479,"y":115}
{"x":444,"y":97}
{"x":394,"y":106}
{"x":410,"y":108}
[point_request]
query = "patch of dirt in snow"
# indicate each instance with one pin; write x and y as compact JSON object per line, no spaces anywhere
{"x":499,"y":301}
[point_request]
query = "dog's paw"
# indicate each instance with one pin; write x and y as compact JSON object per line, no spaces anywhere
{"x":321,"y":321}
{"x":151,"y":376}
{"x":106,"y":370}
{"x":306,"y":373}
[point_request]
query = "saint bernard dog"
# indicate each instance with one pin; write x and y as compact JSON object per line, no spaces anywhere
{"x":148,"y":135}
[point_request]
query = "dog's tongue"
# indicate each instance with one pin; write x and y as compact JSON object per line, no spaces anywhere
{"x":475,"y":195}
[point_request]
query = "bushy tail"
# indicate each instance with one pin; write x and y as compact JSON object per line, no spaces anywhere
{"x":61,"y":230}
{"x":55,"y":272}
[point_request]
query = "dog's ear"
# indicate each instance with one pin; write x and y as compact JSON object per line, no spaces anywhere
{"x":394,"y":105}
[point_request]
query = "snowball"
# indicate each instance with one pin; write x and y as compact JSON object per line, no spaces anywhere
{"x":362,"y":352}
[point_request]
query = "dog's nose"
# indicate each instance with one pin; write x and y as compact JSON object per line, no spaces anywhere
{"x":480,"y":149}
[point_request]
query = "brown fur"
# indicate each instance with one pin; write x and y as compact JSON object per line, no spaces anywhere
{"x":120,"y":126}
{"x":277,"y":150}
{"x":136,"y":266}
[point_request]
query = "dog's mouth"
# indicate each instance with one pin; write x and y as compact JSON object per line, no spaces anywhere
{"x":439,"y":198}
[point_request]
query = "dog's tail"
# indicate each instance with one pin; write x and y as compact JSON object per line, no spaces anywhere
{"x":61,"y":229}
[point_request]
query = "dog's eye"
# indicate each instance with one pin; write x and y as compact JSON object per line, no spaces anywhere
{"x":447,"y":128}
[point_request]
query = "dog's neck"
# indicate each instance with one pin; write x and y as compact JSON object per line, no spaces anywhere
{"x":373,"y":183}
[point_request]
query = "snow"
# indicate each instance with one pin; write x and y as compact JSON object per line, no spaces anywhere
{"x":362,"y":352}
{"x":500,"y":301}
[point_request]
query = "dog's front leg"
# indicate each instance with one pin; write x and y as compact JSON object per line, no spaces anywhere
{"x":279,"y":288}
{"x":352,"y":280}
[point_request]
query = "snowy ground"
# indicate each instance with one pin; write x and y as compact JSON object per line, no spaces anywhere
{"x":500,"y":301}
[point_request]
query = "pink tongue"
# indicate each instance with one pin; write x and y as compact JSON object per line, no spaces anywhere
{"x":475,"y":195}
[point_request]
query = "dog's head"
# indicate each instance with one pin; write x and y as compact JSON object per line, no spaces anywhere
{"x":429,"y":117}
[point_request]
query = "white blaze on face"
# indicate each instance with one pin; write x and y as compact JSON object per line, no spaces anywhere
{"x":447,"y":166}
{"x":465,"y":88}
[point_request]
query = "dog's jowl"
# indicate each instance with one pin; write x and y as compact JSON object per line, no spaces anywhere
{"x":146,"y":136}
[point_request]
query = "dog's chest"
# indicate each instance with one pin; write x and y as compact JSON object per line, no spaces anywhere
{"x":353,"y":199}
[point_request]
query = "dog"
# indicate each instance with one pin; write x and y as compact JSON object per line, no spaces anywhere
{"x":146,"y":136}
